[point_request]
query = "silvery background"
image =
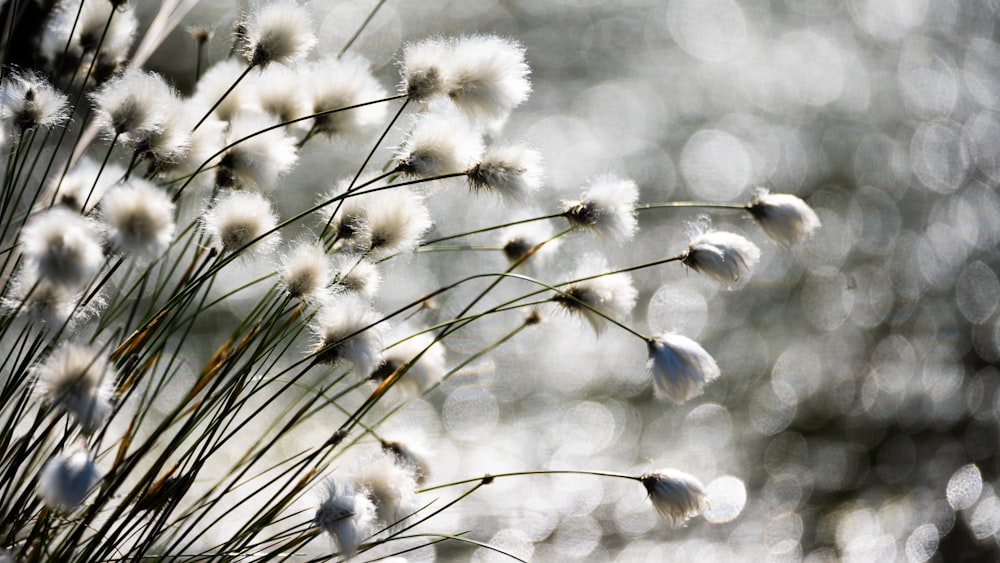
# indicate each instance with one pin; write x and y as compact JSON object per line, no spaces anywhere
{"x":858,"y":401}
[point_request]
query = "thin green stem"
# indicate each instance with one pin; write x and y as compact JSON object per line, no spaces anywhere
{"x":488,"y":478}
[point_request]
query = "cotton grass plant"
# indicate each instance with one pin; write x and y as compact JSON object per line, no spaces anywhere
{"x":193,"y":370}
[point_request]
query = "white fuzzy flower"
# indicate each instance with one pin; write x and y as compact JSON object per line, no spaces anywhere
{"x":783,"y":217}
{"x":728,"y":258}
{"x":345,"y":514}
{"x":411,"y":453}
{"x":236,"y":218}
{"x":680,"y":367}
{"x":68,"y":478}
{"x":259,"y":161}
{"x":391,"y":488}
{"x":426,"y":370}
{"x":382,"y":223}
{"x":132,"y":107}
{"x":62,"y":247}
{"x":487,"y":76}
{"x":439,"y":144}
{"x":612,"y":295}
{"x":138,"y":218}
{"x":214,"y":83}
{"x":78,"y":379}
{"x":277,"y":32}
{"x":78,"y":30}
{"x":518,"y":240}
{"x":283,"y":93}
{"x":421,"y":68}
{"x":81,"y":189}
{"x":49,"y":304}
{"x":512,"y":171}
{"x":606,"y":207}
{"x":356,"y":274}
{"x":28,"y":100}
{"x":171,"y":142}
{"x":342,"y":82}
{"x":306,"y":272}
{"x":345,"y":334}
{"x":676,"y":496}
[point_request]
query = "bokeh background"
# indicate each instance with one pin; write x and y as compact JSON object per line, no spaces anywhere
{"x":858,"y":401}
{"x":858,"y":407}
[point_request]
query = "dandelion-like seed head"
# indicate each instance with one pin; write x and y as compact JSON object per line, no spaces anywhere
{"x":215,"y":82}
{"x":49,"y":304}
{"x":488,"y":77}
{"x":344,"y":513}
{"x":438,"y":144}
{"x":68,"y":478}
{"x":425,"y":371}
{"x":607,"y":207}
{"x":410,"y":456}
{"x":614,"y":295}
{"x":356,"y":274}
{"x":131,"y":106}
{"x":237,"y":218}
{"x":306,"y":271}
{"x":680,"y":367}
{"x":517,"y":241}
{"x":783,"y":217}
{"x":396,"y":220}
{"x":28,"y":101}
{"x":512,"y":171}
{"x":726,"y":257}
{"x":277,"y":32}
{"x":259,"y":161}
{"x":82,"y":189}
{"x":343,"y":82}
{"x":76,"y":28}
{"x":421,"y":68}
{"x":283,"y":93}
{"x":676,"y":496}
{"x":62,"y":246}
{"x":138,"y":218}
{"x":77,"y":378}
{"x":391,"y":486}
{"x":347,"y":332}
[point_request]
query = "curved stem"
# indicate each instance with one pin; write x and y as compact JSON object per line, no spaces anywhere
{"x":494,"y":228}
{"x":487,"y":479}
{"x":703,"y":204}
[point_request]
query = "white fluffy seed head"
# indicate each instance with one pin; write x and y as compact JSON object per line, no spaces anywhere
{"x":439,"y":144}
{"x":428,"y":363}
{"x":423,"y":69}
{"x":78,"y":380}
{"x":512,"y":171}
{"x":68,"y":478}
{"x":345,"y":513}
{"x":238,"y":217}
{"x":214,"y":83}
{"x":259,"y":161}
{"x":382,"y":223}
{"x":676,"y":496}
{"x":342,"y":82}
{"x":726,"y":257}
{"x":277,"y":32}
{"x":345,"y":335}
{"x":283,"y":93}
{"x":679,"y":366}
{"x":78,"y":30}
{"x":131,"y":107}
{"x":82,"y":189}
{"x":607,"y":207}
{"x":306,"y":272}
{"x":391,"y":487}
{"x":783,"y":217}
{"x":614,"y":295}
{"x":62,"y":247}
{"x":138,"y":218}
{"x":46,"y":303}
{"x":28,"y":100}
{"x":518,"y":240}
{"x":487,"y":77}
{"x":356,"y":274}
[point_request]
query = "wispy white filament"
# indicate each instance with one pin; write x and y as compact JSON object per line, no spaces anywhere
{"x":77,"y":378}
{"x":138,"y":218}
{"x":237,"y":218}
{"x":606,"y":207}
{"x":344,"y":513}
{"x":277,"y":32}
{"x":67,"y":478}
{"x":728,"y":258}
{"x":676,"y":496}
{"x":62,"y":246}
{"x":784,"y":217}
{"x":680,"y":367}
